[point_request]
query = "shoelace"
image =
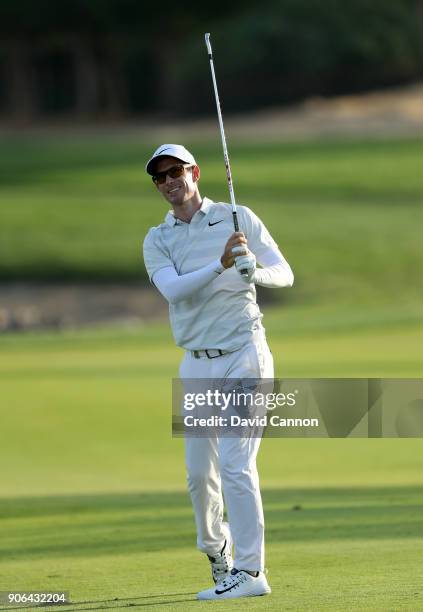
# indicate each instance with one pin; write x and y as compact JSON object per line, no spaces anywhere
{"x":220,"y":563}
{"x":234,"y":580}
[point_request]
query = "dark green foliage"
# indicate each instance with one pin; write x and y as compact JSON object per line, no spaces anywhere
{"x":300,"y":48}
{"x":155,"y":56}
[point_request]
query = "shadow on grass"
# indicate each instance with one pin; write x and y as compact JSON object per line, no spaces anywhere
{"x":115,"y":603}
{"x":147,"y":522}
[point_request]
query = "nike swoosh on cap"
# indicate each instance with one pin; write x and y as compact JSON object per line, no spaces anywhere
{"x":216,"y":222}
{"x":160,"y":152}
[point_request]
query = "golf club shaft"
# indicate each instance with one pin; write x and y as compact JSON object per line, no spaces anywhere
{"x":222,"y":134}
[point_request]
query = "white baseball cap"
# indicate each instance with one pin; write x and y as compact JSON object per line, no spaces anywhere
{"x":170,"y":150}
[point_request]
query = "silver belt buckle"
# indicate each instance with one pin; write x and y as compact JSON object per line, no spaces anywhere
{"x":219,"y":353}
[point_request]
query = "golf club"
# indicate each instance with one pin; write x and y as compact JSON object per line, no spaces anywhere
{"x":222,"y":134}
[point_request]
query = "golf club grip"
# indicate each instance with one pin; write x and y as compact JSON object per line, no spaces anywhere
{"x":236,"y":228}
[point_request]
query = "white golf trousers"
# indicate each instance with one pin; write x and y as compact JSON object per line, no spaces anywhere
{"x":228,"y":463}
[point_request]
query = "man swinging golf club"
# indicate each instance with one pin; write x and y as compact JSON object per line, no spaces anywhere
{"x":208,"y":273}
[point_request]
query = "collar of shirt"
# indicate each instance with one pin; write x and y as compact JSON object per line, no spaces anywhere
{"x":171,"y":220}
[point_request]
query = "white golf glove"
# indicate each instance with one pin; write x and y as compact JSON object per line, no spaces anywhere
{"x":246,"y":262}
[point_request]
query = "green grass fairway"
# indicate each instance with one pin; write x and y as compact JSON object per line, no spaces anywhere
{"x":92,"y":495}
{"x":93,"y":486}
{"x":347,"y":548}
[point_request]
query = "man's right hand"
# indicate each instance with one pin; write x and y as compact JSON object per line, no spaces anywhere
{"x":238,"y":241}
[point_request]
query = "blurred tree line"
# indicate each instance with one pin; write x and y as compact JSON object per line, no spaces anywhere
{"x":122,"y":57}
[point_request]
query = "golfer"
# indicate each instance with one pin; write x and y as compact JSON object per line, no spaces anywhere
{"x":195,"y":260}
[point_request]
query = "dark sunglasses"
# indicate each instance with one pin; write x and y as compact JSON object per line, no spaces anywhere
{"x":174,"y":172}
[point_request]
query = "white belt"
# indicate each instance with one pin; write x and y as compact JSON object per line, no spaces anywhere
{"x":209,"y":353}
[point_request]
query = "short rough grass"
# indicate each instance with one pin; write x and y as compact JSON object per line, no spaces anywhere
{"x":93,"y":486}
{"x":347,"y":215}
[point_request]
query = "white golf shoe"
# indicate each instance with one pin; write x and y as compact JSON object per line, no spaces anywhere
{"x":238,"y":584}
{"x":222,"y":562}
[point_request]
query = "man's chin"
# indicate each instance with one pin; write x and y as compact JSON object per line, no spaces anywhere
{"x":177,"y":200}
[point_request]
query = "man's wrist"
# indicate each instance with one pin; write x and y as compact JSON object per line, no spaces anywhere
{"x":221,"y":260}
{"x":254,"y":278}
{"x":219,"y":267}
